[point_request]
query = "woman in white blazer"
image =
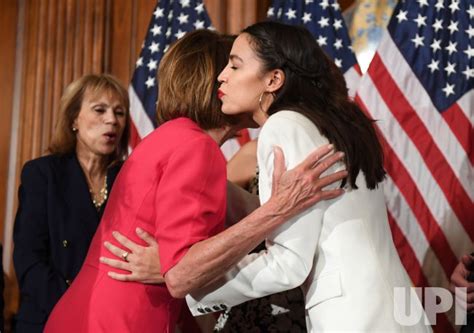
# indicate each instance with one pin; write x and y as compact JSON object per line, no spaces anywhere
{"x":339,"y":251}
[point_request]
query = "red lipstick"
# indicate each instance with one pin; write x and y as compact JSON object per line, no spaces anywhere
{"x":220,"y":94}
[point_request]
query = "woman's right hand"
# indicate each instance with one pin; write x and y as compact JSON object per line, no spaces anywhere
{"x":143,"y":262}
{"x":301,"y":187}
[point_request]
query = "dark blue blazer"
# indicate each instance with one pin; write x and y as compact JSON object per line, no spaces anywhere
{"x":54,"y":226}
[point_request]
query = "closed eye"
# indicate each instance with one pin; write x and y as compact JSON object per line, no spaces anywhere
{"x":119,"y":112}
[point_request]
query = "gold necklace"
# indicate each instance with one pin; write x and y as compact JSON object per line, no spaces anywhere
{"x":99,"y":199}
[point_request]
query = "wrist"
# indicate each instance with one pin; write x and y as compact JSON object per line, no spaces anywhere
{"x":275,"y":210}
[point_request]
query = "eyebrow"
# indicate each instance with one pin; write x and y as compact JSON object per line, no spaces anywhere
{"x":95,"y":103}
{"x":235,"y":57}
{"x":101,"y":104}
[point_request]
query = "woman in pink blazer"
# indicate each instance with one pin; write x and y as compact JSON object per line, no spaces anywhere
{"x":173,"y":186}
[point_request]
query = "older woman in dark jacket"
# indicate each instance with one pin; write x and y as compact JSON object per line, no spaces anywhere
{"x":62,"y":195}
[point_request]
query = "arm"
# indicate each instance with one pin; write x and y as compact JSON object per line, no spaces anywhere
{"x":39,"y":281}
{"x":291,"y":248}
{"x":293,"y":191}
{"x":242,"y":166}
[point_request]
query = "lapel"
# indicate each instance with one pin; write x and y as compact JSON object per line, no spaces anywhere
{"x":77,"y":196}
{"x":112,"y":173}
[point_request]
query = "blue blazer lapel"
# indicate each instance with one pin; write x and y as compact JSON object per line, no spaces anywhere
{"x":77,"y":195}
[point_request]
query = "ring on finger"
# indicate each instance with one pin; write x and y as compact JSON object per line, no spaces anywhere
{"x":125,"y":256}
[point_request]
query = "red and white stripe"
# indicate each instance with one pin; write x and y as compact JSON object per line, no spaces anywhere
{"x":141,"y":124}
{"x":430,"y":185}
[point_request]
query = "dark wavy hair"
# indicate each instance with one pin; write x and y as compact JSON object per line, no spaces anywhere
{"x":316,"y":88}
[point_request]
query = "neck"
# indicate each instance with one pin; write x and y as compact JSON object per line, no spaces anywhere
{"x":94,"y":166}
{"x":221,"y":135}
{"x":260,"y":117}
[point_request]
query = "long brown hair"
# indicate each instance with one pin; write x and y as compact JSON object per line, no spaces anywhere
{"x":188,"y":79}
{"x":316,"y":88}
{"x":64,"y":139}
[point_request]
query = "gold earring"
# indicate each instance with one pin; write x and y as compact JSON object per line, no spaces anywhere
{"x":260,"y":100}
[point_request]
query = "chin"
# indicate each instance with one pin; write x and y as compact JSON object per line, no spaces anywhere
{"x":228,"y":111}
{"x":107,"y":152}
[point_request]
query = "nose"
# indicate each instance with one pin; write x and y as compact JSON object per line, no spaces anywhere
{"x":110,"y":117}
{"x":222,"y":76}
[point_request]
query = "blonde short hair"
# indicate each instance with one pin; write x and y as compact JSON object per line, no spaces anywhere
{"x":64,"y":139}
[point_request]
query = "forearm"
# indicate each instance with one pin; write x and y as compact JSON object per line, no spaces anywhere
{"x":208,"y":260}
{"x":293,"y":192}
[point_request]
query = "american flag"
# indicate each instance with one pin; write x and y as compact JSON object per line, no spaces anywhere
{"x":324,"y":20}
{"x":171,"y":19}
{"x":420,"y":87}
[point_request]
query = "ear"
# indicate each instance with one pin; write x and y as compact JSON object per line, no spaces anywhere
{"x":275,"y":80}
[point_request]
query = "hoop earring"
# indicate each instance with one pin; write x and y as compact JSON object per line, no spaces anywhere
{"x":260,"y":100}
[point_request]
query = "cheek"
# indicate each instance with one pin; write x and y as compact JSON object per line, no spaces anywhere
{"x":120,"y":121}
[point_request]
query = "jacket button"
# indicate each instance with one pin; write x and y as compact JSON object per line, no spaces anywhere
{"x":208,"y":309}
{"x":65,"y":243}
{"x":201,"y":310}
{"x":223,"y":307}
{"x":215,"y":307}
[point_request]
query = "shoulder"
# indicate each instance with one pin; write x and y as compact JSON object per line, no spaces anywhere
{"x":183,"y":140}
{"x":287,"y":123}
{"x":294,"y":133}
{"x":174,"y":134}
{"x":44,"y":163}
{"x":48,"y":166}
{"x":189,"y":136}
{"x":290,"y":128}
{"x":200,"y":147}
{"x":250,"y":148}
{"x":247,"y":154}
{"x":241,"y":168}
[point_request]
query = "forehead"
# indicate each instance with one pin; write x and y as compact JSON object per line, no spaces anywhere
{"x":101,"y":94}
{"x":242,"y":47}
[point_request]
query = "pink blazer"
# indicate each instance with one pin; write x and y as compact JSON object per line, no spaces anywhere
{"x":173,"y":186}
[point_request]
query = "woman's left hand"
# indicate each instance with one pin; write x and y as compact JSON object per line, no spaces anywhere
{"x":143,"y":262}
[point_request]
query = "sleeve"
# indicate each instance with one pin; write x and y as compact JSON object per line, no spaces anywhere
{"x":40,"y":283}
{"x":291,"y":249}
{"x":190,"y":200}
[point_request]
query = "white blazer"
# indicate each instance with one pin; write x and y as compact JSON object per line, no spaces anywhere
{"x":340,"y":251}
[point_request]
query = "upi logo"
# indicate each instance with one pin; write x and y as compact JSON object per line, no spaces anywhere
{"x":408,"y":310}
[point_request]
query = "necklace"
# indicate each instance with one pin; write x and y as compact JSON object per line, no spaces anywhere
{"x":99,"y":198}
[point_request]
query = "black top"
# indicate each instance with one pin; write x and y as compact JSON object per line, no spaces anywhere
{"x":54,"y":226}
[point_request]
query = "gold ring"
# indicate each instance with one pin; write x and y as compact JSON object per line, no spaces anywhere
{"x":125,"y":256}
